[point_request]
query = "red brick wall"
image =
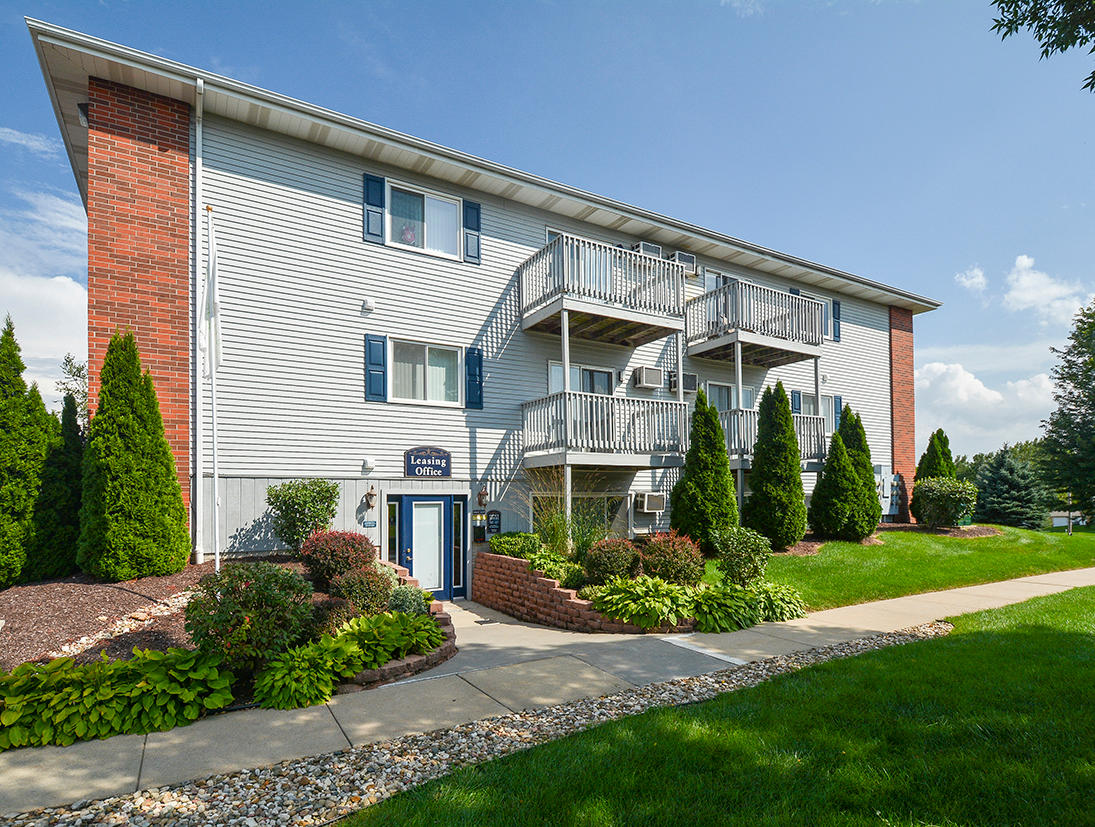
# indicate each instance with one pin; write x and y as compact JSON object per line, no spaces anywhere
{"x":138,"y":235}
{"x":902,"y":403}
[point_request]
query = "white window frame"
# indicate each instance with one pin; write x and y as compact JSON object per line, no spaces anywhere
{"x":830,"y":422}
{"x":549,"y":230}
{"x":733,"y":392}
{"x":827,"y":313}
{"x":424,"y":192}
{"x":460,"y":373}
{"x":610,"y":371}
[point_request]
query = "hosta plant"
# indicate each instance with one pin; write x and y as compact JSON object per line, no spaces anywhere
{"x":647,"y":602}
{"x":725,"y":609}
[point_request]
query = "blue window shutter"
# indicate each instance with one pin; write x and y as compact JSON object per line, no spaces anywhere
{"x":838,"y":407}
{"x":796,"y":402}
{"x":473,"y":370}
{"x":376,"y":368}
{"x":836,"y":320}
{"x":373,"y":209}
{"x":794,"y":291}
{"x":472,"y":215}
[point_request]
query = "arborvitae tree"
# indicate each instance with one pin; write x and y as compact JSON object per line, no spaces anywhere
{"x":836,"y":495}
{"x":936,"y":461}
{"x":868,"y":511}
{"x":1008,"y":493}
{"x":57,"y":512}
{"x":26,"y":429}
{"x":777,"y":506}
{"x":132,"y":520}
{"x":704,"y":499}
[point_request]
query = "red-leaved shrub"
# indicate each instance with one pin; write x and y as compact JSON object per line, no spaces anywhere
{"x":673,"y":557}
{"x":327,"y":554}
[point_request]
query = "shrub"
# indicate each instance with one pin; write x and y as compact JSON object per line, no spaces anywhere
{"x":515,"y":544}
{"x":866,"y":510}
{"x":944,"y":500}
{"x":366,"y":587}
{"x":57,"y":510}
{"x":301,"y":508}
{"x":132,"y":519}
{"x":935,"y":462}
{"x":390,"y":636}
{"x":61,"y":702}
{"x":672,"y":557}
{"x":776,"y":602}
{"x":327,"y":554}
{"x":647,"y":602}
{"x":742,"y":554}
{"x":569,"y":574}
{"x":836,"y":500}
{"x":329,"y":616}
{"x":409,"y":601}
{"x":611,"y":557}
{"x":590,"y":592}
{"x":703,"y":499}
{"x":307,"y":675}
{"x":249,"y":612}
{"x":1008,"y":493}
{"x":777,"y":506}
{"x":725,"y":608}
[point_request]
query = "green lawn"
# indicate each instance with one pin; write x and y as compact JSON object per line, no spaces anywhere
{"x":911,"y":562}
{"x":994,"y":724}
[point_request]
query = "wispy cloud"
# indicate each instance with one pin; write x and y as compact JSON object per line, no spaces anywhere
{"x":1052,"y":300}
{"x":47,"y":236}
{"x":973,"y":279}
{"x":1022,"y":357}
{"x":744,"y":8}
{"x":38,"y":144}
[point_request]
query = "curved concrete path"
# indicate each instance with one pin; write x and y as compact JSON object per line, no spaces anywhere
{"x":503,"y":665}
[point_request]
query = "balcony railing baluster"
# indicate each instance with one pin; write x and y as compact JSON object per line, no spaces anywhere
{"x":741,"y":305}
{"x":603,"y":424}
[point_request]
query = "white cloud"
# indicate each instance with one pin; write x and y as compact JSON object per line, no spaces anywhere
{"x":744,"y":8}
{"x":38,"y":144}
{"x":972,"y":279}
{"x":1055,"y":301}
{"x":1024,"y":357}
{"x":47,"y":237}
{"x":978,"y":417}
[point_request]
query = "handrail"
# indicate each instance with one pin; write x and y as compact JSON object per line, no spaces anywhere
{"x":603,"y":424}
{"x":740,"y":428}
{"x":741,"y":305}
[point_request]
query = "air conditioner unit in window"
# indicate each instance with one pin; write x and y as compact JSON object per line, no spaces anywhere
{"x":648,"y":249}
{"x":649,"y":377}
{"x":686,"y":260}
{"x":650,"y":502}
{"x":691,"y":382}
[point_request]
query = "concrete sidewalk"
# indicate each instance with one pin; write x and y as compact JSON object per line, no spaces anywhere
{"x":503,"y":665}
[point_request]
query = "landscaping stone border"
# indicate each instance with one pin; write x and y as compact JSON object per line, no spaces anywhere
{"x":397,"y":670}
{"x":511,"y":585}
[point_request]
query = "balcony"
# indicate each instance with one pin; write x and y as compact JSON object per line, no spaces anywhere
{"x":609,"y":431}
{"x":612,"y":295}
{"x":740,"y":428}
{"x":772,"y":327}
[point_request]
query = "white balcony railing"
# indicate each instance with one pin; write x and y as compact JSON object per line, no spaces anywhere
{"x":601,"y":273}
{"x":603,"y":424}
{"x":740,"y":428}
{"x":740,"y":305}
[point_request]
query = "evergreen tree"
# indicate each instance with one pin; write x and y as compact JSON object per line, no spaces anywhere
{"x":777,"y":506}
{"x":704,"y":499}
{"x":936,"y":461}
{"x":1008,"y":493}
{"x":57,"y":512}
{"x":868,"y":508}
{"x":132,"y":519}
{"x":836,"y":496}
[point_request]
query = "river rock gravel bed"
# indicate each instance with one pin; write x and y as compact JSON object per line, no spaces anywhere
{"x":323,"y":788}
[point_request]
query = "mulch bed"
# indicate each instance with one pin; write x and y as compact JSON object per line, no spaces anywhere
{"x":967,"y":531}
{"x":809,"y":545}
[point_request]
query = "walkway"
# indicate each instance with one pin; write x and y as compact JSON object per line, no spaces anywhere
{"x":503,"y":666}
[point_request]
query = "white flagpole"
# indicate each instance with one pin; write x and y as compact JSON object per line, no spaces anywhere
{"x":213,"y":358}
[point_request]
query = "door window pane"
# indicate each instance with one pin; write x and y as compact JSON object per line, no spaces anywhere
{"x":442,"y":230}
{"x":441,"y":384}
{"x":408,"y":224}
{"x":720,"y":396}
{"x":809,"y":406}
{"x":393,"y":531}
{"x":408,"y":371}
{"x":597,"y":381}
{"x":457,"y":544}
{"x":827,"y":412}
{"x":748,"y":398}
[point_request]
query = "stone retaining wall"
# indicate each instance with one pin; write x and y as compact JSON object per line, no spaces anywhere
{"x":397,"y":670}
{"x":509,"y":585}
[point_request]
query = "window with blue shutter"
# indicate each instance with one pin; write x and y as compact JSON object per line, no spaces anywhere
{"x":376,"y":368}
{"x":796,"y":402}
{"x":373,"y":209}
{"x":794,"y":291}
{"x":836,"y":320}
{"x":838,"y":407}
{"x":472,"y":216}
{"x":473,"y":368}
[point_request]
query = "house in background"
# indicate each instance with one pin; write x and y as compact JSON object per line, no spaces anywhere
{"x":452,"y":340}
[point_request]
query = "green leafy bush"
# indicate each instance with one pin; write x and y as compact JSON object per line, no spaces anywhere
{"x":725,"y":609}
{"x":61,"y":702}
{"x":647,"y":602}
{"x":390,"y":636}
{"x":944,"y":500}
{"x":308,"y":674}
{"x":935,"y":462}
{"x":569,"y":574}
{"x":301,"y":508}
{"x":776,"y":602}
{"x":329,"y":616}
{"x":611,"y":557}
{"x":742,"y":554}
{"x":672,"y":557}
{"x":590,"y":592}
{"x":408,"y":600}
{"x":366,"y":587}
{"x":248,"y":613}
{"x":515,"y":544}
{"x":327,"y":554}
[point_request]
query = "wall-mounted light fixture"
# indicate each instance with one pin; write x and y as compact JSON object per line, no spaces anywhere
{"x":483,"y":496}
{"x":370,"y":498}
{"x":368,"y":305}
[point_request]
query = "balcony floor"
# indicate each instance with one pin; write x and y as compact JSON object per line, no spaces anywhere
{"x":590,"y":459}
{"x":606,"y":323}
{"x":756,"y":349}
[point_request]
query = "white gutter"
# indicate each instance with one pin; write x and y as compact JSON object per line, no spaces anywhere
{"x":197,"y":291}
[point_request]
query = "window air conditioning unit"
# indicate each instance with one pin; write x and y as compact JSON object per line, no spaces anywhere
{"x":648,"y":249}
{"x":691,"y":382}
{"x":649,"y":377}
{"x":686,"y":260}
{"x":651,"y":502}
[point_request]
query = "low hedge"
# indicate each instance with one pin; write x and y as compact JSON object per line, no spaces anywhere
{"x":515,"y":544}
{"x":944,"y":501}
{"x":61,"y":702}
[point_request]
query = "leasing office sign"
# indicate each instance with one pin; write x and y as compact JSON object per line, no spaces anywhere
{"x":427,"y":462}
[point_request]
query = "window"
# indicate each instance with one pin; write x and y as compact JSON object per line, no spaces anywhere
{"x":611,"y":508}
{"x":724,"y":397}
{"x":826,"y":314}
{"x":809,"y":407}
{"x":552,"y":234}
{"x":393,"y":531}
{"x":425,"y":373}
{"x":713,"y":279}
{"x":582,"y":378}
{"x":423,"y":221}
{"x":457,"y":543}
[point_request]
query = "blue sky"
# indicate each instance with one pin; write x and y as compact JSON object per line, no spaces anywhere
{"x":899,"y":140}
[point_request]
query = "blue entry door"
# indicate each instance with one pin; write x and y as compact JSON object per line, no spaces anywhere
{"x":426,"y":542}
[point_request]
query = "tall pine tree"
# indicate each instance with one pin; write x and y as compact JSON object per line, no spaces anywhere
{"x":777,"y":506}
{"x":132,"y":519}
{"x":57,"y":512}
{"x":1008,"y":493}
{"x":936,"y":461}
{"x":868,"y":508}
{"x":704,"y":499}
{"x":836,"y":496}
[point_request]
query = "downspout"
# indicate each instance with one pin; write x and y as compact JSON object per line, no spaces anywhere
{"x":197,"y":498}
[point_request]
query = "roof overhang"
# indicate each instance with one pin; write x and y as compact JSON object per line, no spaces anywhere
{"x":69,"y":58}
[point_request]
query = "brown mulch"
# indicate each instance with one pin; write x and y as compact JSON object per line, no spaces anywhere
{"x":810,"y":545}
{"x":967,"y":531}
